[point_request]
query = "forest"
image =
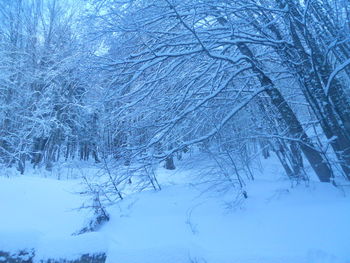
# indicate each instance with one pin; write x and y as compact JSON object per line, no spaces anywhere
{"x":148,"y":80}
{"x":134,"y":86}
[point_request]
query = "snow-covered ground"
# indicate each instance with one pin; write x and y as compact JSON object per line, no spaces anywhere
{"x":42,"y":213}
{"x":181,"y":223}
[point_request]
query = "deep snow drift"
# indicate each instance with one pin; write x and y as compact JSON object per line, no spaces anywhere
{"x":182,"y":223}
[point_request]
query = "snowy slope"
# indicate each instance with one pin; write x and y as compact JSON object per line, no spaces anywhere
{"x":182,"y":223}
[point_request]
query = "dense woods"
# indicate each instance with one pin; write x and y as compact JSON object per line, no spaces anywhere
{"x":152,"y":80}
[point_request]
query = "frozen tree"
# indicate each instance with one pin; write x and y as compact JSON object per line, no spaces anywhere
{"x":183,"y":71}
{"x":43,"y":115}
{"x":146,"y":81}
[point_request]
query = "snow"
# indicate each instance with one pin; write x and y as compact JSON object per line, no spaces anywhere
{"x":287,"y":227}
{"x":182,"y":222}
{"x":39,"y":204}
{"x":43,"y":213}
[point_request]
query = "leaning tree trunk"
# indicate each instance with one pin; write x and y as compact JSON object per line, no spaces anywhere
{"x":313,"y":88}
{"x":311,"y":85}
{"x":314,"y":157}
{"x":295,"y":128}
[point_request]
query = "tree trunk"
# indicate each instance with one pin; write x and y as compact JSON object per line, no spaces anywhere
{"x":169,"y":163}
{"x":295,"y":128}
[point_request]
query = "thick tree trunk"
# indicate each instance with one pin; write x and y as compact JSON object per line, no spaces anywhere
{"x":331,"y":126}
{"x":295,"y":128}
{"x":314,"y":157}
{"x":312,"y":71}
{"x":330,"y":111}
